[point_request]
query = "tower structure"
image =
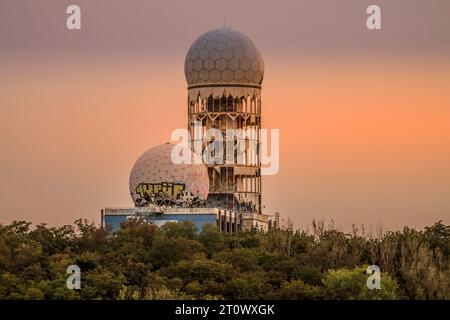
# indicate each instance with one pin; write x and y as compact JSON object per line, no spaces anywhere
{"x":224,"y":72}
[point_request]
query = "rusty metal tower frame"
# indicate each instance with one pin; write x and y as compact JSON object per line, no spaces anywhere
{"x":224,"y":72}
{"x":232,"y":186}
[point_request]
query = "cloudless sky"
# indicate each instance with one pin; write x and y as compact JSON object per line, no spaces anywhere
{"x":364,"y":116}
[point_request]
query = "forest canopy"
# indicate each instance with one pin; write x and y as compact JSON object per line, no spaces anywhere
{"x":176,"y":261}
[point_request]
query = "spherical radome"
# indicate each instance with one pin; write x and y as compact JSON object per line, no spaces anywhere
{"x":223,"y":56}
{"x":154,"y":171}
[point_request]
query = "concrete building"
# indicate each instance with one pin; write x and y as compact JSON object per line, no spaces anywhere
{"x":224,"y":72}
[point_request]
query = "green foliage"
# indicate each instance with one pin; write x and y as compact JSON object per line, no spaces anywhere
{"x":175,"y":261}
{"x":351,"y":284}
{"x":297,"y":290}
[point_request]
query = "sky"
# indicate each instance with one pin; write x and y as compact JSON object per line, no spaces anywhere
{"x":364,"y":116}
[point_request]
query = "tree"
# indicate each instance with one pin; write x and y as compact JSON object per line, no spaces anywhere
{"x":297,"y":290}
{"x":184,"y":229}
{"x":166,"y":251}
{"x":212,"y":239}
{"x":344,"y":284}
{"x":141,"y":261}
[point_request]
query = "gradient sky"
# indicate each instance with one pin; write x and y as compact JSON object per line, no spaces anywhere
{"x":364,"y":116}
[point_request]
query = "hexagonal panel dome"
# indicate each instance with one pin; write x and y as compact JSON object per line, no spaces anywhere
{"x":154,"y":172}
{"x":220,"y":53}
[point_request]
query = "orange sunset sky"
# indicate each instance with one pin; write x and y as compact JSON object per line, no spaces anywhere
{"x":364,"y":116}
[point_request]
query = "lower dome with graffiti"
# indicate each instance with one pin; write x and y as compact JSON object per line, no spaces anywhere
{"x":156,"y":181}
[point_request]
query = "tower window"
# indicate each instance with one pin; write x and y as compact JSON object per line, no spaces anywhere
{"x":210,"y":104}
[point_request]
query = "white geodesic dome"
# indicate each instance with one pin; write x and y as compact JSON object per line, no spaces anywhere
{"x":223,"y":56}
{"x":155,"y":166}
